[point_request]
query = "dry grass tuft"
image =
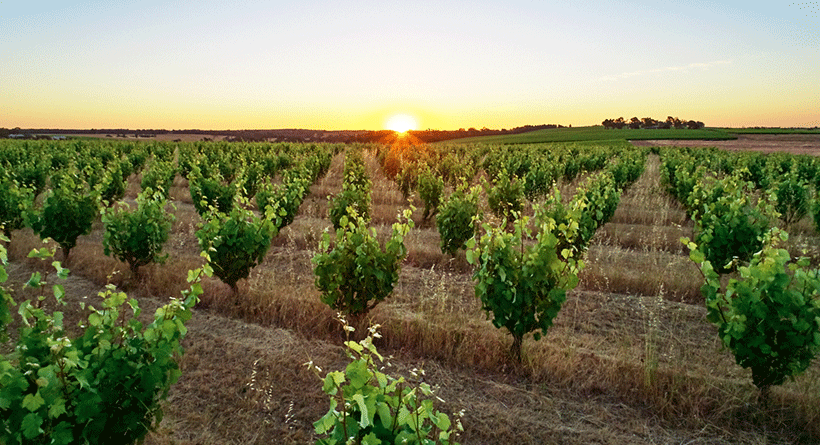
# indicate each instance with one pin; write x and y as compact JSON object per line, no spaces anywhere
{"x":613,"y":269}
{"x":22,"y":242}
{"x":132,"y":186}
{"x":628,"y":359}
{"x":179,"y":191}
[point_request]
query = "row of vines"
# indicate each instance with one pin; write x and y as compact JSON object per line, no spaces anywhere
{"x":105,"y":383}
{"x":523,"y":215}
{"x":742,"y":204}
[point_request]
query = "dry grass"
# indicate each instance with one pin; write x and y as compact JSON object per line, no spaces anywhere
{"x":629,"y":360}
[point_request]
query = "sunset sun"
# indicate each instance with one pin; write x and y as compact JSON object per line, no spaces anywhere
{"x":401,"y":123}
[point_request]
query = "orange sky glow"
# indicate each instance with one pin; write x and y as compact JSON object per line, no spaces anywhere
{"x":447,"y":64}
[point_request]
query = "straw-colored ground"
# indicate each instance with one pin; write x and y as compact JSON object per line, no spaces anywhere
{"x":630,"y":360}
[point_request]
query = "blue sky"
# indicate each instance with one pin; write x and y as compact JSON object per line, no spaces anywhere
{"x":352,"y":65}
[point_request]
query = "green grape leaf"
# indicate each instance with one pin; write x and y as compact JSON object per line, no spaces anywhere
{"x":33,"y":402}
{"x":31,"y":425}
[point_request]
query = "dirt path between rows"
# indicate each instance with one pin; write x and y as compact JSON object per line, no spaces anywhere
{"x":244,"y":383}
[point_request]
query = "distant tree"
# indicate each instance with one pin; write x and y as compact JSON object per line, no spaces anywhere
{"x":648,"y":122}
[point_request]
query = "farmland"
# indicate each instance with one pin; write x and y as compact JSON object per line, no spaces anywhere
{"x":599,"y":133}
{"x":630,"y":357}
{"x":796,"y":143}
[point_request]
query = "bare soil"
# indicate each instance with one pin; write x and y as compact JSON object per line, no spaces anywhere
{"x":243,"y":383}
{"x":630,"y":359}
{"x":808,"y":144}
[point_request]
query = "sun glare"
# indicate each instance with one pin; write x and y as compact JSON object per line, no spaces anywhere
{"x":401,"y":123}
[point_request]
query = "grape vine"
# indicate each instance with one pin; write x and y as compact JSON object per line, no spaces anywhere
{"x":101,"y":387}
{"x":769,"y":316}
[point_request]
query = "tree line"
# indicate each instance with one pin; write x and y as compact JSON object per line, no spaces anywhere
{"x":649,"y":123}
{"x":289,"y":134}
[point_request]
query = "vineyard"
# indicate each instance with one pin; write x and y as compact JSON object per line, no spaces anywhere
{"x":565,"y":292}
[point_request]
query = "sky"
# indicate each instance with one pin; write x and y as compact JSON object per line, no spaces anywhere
{"x":352,"y":64}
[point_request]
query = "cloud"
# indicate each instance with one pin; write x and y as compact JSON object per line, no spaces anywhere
{"x":699,"y":65}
